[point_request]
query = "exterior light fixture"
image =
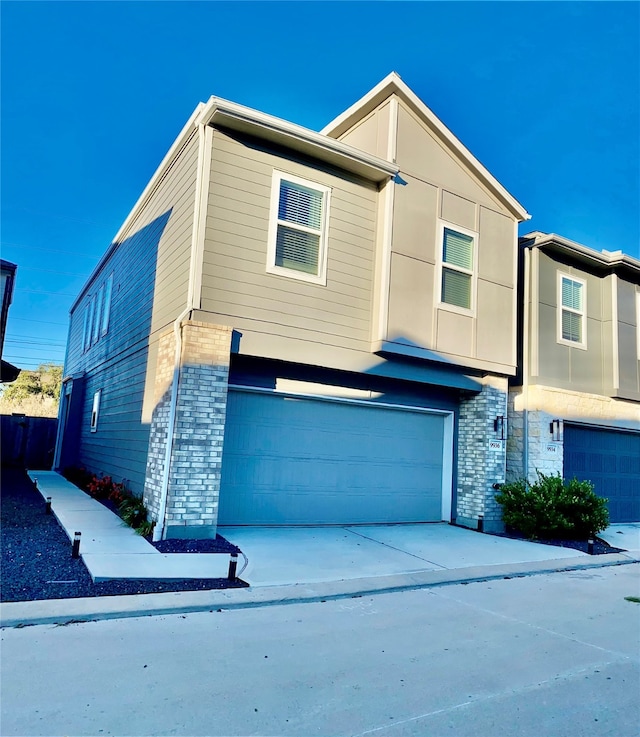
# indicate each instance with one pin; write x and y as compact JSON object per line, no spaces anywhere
{"x":498,"y":426}
{"x":555,"y":428}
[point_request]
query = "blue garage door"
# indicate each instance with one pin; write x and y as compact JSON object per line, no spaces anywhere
{"x":610,"y":459}
{"x":294,"y":461}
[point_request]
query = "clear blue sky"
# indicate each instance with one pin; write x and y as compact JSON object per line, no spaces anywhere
{"x":545,"y":94}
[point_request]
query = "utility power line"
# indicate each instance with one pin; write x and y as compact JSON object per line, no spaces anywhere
{"x":49,"y":250}
{"x":43,"y":322}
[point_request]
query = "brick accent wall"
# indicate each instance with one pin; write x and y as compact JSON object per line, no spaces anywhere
{"x":481,"y":456}
{"x":196,"y":458}
{"x":545,"y":404}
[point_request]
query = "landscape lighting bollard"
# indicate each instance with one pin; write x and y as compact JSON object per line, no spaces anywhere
{"x":47,"y":508}
{"x":35,"y":482}
{"x":590,"y":546}
{"x":233,"y":565}
{"x":481,"y":523}
{"x":75,"y":550}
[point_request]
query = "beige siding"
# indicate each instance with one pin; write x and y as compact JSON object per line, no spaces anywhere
{"x":411,"y":301}
{"x":150,"y":270}
{"x":628,"y":336}
{"x":235,"y":283}
{"x":493,"y":325}
{"x":459,"y":211}
{"x":588,"y":370}
{"x":372,"y":133}
{"x":415,"y":221}
{"x":422,"y":155}
{"x":435,"y":189}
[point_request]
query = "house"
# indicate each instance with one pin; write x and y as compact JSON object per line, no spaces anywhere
{"x":8,"y":372}
{"x":294,"y":327}
{"x":574,"y":407}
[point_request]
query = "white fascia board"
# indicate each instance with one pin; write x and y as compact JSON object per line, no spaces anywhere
{"x":539,"y":240}
{"x":391,"y":84}
{"x":189,"y":126}
{"x":238,"y":117}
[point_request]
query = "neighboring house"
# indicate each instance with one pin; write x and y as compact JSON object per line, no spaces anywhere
{"x":295,"y":327}
{"x":8,"y":372}
{"x":574,"y":409}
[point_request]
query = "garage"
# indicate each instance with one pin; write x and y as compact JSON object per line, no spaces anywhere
{"x":292,"y":460}
{"x":610,"y":459}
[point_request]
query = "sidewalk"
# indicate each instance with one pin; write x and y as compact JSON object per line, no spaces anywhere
{"x":112,"y":550}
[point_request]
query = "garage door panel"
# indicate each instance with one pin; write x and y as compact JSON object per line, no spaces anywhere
{"x":295,"y":461}
{"x":610,"y":459}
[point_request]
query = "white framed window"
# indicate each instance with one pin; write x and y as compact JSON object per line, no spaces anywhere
{"x":572,"y":298}
{"x":107,"y":305}
{"x":457,"y":274}
{"x":298,"y":227}
{"x":98,"y":315}
{"x":89,"y":322}
{"x":85,"y":325}
{"x":95,"y":410}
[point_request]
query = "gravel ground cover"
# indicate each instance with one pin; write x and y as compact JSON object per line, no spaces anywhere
{"x":36,"y":553}
{"x":600,"y":547}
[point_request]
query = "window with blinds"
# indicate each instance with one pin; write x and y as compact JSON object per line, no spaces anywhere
{"x":298,"y":228}
{"x":571,"y":323}
{"x":457,"y":268}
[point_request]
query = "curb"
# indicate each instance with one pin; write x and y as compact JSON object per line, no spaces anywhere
{"x":70,"y":611}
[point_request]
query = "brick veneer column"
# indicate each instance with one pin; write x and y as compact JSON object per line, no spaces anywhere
{"x":196,"y":458}
{"x":479,"y":465}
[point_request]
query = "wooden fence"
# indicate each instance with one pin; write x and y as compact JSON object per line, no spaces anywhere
{"x":27,"y":442}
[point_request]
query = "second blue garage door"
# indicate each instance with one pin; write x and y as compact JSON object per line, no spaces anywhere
{"x":298,"y":461}
{"x":610,"y":459}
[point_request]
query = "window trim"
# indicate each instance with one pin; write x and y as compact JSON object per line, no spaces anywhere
{"x":95,"y":410}
{"x":442,"y":264}
{"x":274,"y":221}
{"x":106,"y":311}
{"x":97,"y":319}
{"x":91,"y":307}
{"x":582,"y":345}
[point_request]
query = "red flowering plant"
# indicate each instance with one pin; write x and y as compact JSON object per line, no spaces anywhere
{"x":100,"y":488}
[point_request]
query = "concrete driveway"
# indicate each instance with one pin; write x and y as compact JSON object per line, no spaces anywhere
{"x":305,"y":555}
{"x":626,"y":536}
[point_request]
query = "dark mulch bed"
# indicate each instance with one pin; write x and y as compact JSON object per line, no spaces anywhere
{"x":600,"y":547}
{"x":36,"y":553}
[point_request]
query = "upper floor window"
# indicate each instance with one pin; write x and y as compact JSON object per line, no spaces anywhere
{"x":458,"y":268}
{"x":298,"y":228}
{"x":96,"y":315}
{"x":571,"y":311}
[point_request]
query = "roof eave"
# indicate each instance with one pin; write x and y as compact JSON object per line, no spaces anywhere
{"x":393,"y":84}
{"x":276,"y":130}
{"x":584,"y":253}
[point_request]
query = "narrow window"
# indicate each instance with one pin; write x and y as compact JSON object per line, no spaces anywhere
{"x":95,"y":410}
{"x":91,"y":314}
{"x":457,"y":268}
{"x":298,"y":228}
{"x":96,"y":322}
{"x":85,"y":325}
{"x":107,"y":305}
{"x":571,"y":323}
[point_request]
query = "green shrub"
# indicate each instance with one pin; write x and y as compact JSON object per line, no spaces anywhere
{"x":552,"y":508}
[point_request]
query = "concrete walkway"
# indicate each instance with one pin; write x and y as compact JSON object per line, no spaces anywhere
{"x":293,"y":565}
{"x":112,"y":550}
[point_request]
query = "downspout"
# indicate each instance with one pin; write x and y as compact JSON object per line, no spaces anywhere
{"x":193,"y":302}
{"x":526,"y":336}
